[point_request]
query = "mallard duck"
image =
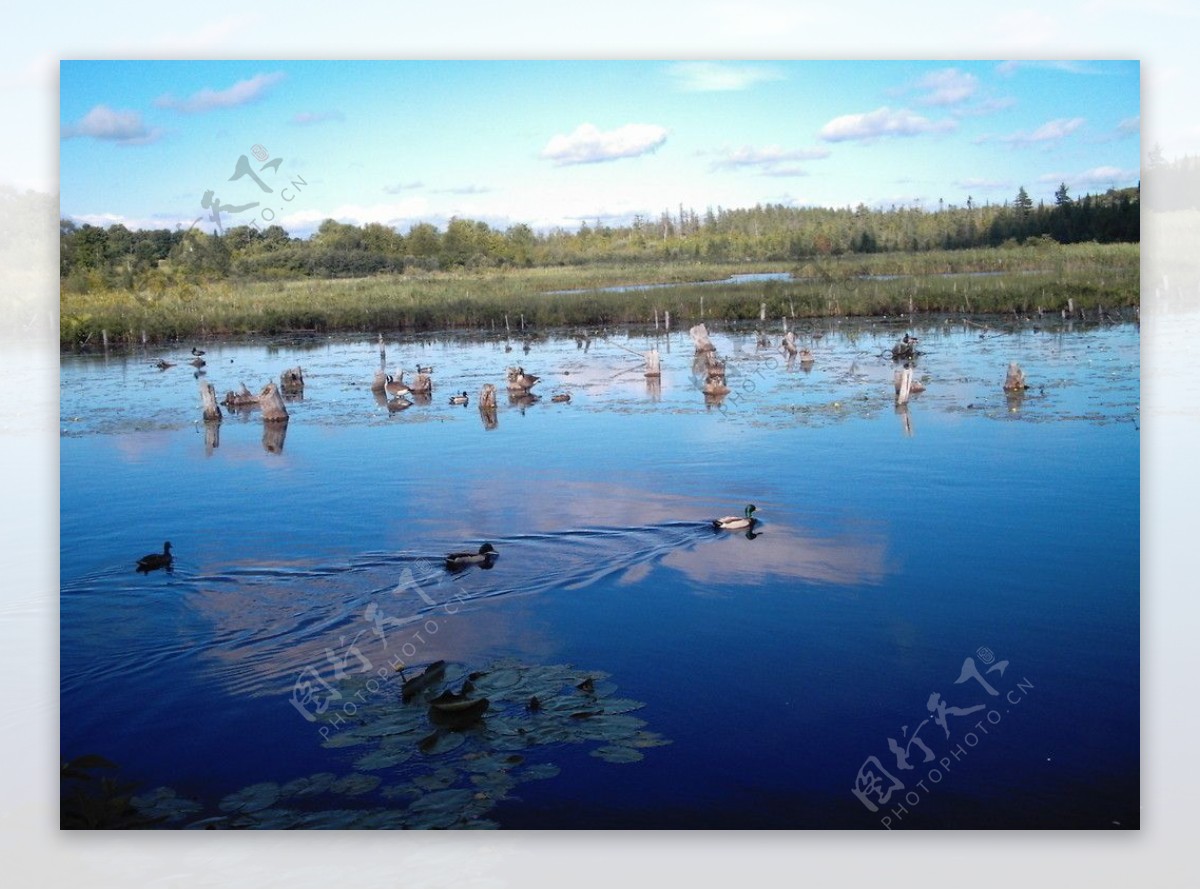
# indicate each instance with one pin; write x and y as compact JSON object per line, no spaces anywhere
{"x":395,"y":386}
{"x":424,"y":369}
{"x":737,"y":522}
{"x":459,"y":399}
{"x":152,"y":561}
{"x":196,"y":351}
{"x":465,"y":558}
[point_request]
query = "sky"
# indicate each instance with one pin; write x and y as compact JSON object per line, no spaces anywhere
{"x":160,"y":144}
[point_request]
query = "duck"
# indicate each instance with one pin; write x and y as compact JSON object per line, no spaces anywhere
{"x":462,"y":559}
{"x":162,"y":364}
{"x":561,"y":397}
{"x":395,"y":386}
{"x":459,"y":399}
{"x":197,"y":352}
{"x":152,"y":561}
{"x":424,"y":369}
{"x":737,"y":522}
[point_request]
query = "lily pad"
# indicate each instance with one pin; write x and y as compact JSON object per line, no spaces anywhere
{"x":618,"y":754}
{"x":250,"y":799}
{"x":164,"y":803}
{"x":355,"y":784}
{"x":307,"y":786}
{"x":383,"y":758}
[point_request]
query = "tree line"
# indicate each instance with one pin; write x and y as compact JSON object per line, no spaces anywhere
{"x":93,"y":257}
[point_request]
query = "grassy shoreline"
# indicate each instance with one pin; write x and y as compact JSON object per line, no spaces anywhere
{"x":1004,"y":280}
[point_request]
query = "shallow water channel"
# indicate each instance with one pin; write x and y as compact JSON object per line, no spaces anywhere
{"x":934,"y":624}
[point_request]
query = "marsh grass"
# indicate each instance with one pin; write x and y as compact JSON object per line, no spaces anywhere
{"x":1016,"y":279}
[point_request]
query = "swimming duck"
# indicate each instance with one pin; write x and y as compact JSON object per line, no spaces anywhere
{"x":737,"y":522}
{"x":465,"y":558}
{"x":152,"y":561}
{"x":196,"y":351}
{"x":459,"y":400}
{"x":424,"y":369}
{"x":162,"y":364}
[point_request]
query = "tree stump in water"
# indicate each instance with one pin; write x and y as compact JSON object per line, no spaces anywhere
{"x":242,"y":399}
{"x":208,"y":396}
{"x":699,"y":335}
{"x":1015,"y":380}
{"x":291,"y":381}
{"x":271,"y":402}
{"x":653,"y":366}
{"x":903,"y":380}
{"x":487,"y":397}
{"x":788,"y":345}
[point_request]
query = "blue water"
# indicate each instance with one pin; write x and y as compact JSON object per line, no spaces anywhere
{"x":893,"y":546}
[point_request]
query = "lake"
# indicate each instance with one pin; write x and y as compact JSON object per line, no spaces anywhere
{"x":934,"y":624}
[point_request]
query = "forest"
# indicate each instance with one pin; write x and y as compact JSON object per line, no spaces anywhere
{"x":95,"y":258}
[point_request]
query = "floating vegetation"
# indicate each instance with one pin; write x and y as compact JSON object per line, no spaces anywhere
{"x":438,"y":773}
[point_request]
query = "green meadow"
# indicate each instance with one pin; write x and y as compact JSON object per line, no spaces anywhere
{"x":1039,"y":274}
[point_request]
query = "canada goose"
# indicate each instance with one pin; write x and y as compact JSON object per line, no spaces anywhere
{"x":395,"y":385}
{"x":737,"y":522}
{"x":152,"y":561}
{"x":162,"y":364}
{"x":198,"y":362}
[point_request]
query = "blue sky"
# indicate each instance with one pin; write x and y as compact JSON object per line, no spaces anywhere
{"x":560,"y":143}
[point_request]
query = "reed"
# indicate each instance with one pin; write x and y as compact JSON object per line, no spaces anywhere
{"x":998,"y":281}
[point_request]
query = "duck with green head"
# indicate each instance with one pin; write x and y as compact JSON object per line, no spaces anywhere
{"x":746,"y":520}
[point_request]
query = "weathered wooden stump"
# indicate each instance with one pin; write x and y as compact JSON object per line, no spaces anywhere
{"x":208,"y":397}
{"x":241,"y":399}
{"x":716,"y":386}
{"x":271,"y":402}
{"x":788,"y":345}
{"x":653,"y":364}
{"x":487,"y":397}
{"x":903,"y":381}
{"x":1014,"y":381}
{"x":699,"y":335}
{"x":291,"y":381}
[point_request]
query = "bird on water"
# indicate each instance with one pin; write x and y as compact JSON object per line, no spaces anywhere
{"x":152,"y":561}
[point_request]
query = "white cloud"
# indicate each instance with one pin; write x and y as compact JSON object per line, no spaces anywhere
{"x":720,"y":76}
{"x":305,"y":118}
{"x":400,"y":187}
{"x":207,"y":99}
{"x":1051,"y":131}
{"x":769,"y":160}
{"x":121,"y":127}
{"x":1104,"y":176}
{"x":589,"y":145}
{"x":948,"y":86}
{"x":882,"y":122}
